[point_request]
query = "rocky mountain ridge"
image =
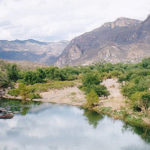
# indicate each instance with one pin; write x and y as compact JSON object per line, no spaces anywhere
{"x":31,"y":50}
{"x":124,"y":40}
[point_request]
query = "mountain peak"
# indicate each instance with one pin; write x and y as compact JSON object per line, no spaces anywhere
{"x":29,"y":40}
{"x":147,"y":19}
{"x":148,"y":16}
{"x":122,"y":22}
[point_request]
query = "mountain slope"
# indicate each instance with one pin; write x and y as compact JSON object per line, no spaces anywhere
{"x":31,"y":50}
{"x":124,"y":40}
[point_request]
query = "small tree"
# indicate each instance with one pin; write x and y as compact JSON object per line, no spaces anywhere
{"x":13,"y":72}
{"x":145,"y":100}
{"x":90,"y":79}
{"x":23,"y":91}
{"x":4,"y":82}
{"x":92,"y":98}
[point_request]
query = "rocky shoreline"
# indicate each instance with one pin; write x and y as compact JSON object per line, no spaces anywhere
{"x":4,"y":114}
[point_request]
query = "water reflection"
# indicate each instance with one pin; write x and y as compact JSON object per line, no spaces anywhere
{"x":92,"y":117}
{"x":18,"y":106}
{"x":55,"y":127}
{"x":144,"y":133}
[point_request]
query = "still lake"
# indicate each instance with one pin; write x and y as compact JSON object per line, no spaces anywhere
{"x":60,"y":127}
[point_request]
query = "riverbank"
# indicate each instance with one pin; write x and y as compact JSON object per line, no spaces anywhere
{"x":117,"y":107}
{"x":70,"y":95}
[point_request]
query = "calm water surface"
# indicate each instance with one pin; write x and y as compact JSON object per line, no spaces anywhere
{"x":61,"y":127}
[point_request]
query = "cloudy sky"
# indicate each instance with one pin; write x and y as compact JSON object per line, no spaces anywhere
{"x":65,"y":128}
{"x":53,"y":20}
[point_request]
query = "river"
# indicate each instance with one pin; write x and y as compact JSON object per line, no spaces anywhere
{"x":47,"y":126}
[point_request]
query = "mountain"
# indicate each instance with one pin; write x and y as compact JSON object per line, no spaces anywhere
{"x":31,"y":50}
{"x":124,"y":40}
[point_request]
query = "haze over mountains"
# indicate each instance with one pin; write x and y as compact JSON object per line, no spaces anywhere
{"x":124,"y":40}
{"x":31,"y":50}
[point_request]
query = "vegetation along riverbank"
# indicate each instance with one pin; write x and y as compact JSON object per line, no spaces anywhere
{"x":121,"y":91}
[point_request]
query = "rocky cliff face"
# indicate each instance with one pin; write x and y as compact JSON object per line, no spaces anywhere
{"x":31,"y":50}
{"x":124,"y":40}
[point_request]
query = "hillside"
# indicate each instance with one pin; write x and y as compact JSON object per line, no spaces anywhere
{"x":124,"y":40}
{"x":31,"y":50}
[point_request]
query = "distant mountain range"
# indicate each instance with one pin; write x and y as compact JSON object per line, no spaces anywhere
{"x":31,"y":50}
{"x":124,"y":40}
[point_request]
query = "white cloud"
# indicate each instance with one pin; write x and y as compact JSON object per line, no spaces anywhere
{"x":63,"y":19}
{"x":55,"y":127}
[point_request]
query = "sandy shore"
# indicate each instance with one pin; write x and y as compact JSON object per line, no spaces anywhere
{"x":71,"y":96}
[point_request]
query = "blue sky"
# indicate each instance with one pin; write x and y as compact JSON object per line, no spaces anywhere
{"x":54,"y":20}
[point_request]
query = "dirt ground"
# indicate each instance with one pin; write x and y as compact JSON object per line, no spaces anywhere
{"x":71,"y":95}
{"x":115,"y":99}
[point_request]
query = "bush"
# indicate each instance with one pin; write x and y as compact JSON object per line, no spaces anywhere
{"x":13,"y":72}
{"x":4,"y":81}
{"x":32,"y":77}
{"x":145,"y":100}
{"x":13,"y":92}
{"x":92,"y":98}
{"x":100,"y":90}
{"x":90,"y":79}
{"x":34,"y":96}
{"x":145,"y":63}
{"x":24,"y":91}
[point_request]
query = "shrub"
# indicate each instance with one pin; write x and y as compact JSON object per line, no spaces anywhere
{"x":34,"y":96}
{"x":23,"y":91}
{"x":145,"y":63}
{"x":145,"y":100}
{"x":13,"y":92}
{"x":4,"y":81}
{"x":100,"y":90}
{"x":32,"y":77}
{"x":13,"y":72}
{"x":92,"y":98}
{"x":90,"y":79}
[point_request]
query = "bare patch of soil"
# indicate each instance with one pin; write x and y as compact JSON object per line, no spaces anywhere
{"x":70,"y":95}
{"x":115,"y":99}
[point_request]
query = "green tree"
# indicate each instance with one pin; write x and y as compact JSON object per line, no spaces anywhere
{"x":4,"y":81}
{"x":92,"y":98}
{"x":32,"y":77}
{"x":145,"y":100}
{"x":13,"y":72}
{"x":90,"y":79}
{"x":146,"y":63}
{"x":23,"y":91}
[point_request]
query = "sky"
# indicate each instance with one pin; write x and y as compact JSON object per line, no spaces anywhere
{"x":55,"y":20}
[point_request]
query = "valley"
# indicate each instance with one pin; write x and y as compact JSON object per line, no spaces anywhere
{"x":77,"y":94}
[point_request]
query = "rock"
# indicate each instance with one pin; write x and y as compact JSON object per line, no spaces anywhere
{"x":7,"y":116}
{"x":4,"y":114}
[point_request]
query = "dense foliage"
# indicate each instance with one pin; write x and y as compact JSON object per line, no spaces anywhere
{"x":92,"y":87}
{"x":135,"y":79}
